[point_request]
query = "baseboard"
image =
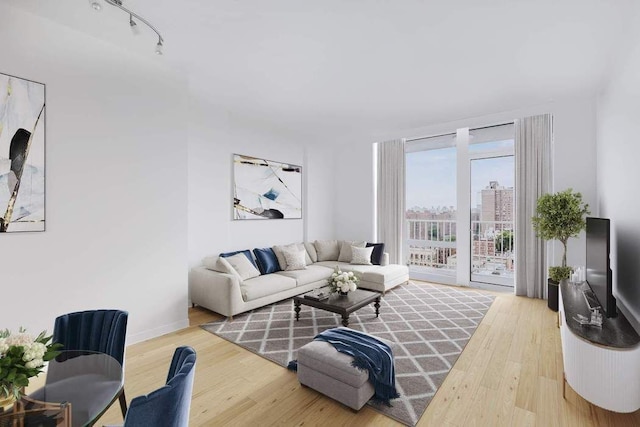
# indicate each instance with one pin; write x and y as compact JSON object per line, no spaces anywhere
{"x":156,"y":332}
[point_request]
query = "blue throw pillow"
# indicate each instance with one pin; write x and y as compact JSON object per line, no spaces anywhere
{"x":378,"y":252}
{"x":267,"y":260}
{"x":246,"y":253}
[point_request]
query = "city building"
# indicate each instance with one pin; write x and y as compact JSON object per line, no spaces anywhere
{"x":496,"y":204}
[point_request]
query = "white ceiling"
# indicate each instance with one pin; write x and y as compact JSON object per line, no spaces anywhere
{"x":326,"y":68}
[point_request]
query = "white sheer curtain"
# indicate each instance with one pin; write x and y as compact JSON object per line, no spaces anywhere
{"x":391,"y":198}
{"x":534,"y":136}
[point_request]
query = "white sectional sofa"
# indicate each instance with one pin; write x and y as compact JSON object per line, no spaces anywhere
{"x":227,"y":294}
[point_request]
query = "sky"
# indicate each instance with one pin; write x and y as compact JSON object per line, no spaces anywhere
{"x":431,"y":175}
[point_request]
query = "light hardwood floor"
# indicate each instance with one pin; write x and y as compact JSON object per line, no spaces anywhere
{"x":509,"y":374}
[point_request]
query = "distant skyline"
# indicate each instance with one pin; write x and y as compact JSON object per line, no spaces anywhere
{"x":431,"y":175}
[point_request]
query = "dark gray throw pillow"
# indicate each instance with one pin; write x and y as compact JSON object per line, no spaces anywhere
{"x":378,"y":252}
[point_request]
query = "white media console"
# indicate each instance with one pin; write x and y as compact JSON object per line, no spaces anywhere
{"x":601,"y":364}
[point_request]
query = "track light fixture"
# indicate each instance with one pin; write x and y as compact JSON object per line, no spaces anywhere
{"x":96,"y":5}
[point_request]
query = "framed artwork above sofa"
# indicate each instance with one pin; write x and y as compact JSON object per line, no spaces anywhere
{"x":265,"y":189}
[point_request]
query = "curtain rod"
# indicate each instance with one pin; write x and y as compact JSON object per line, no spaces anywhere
{"x":454,"y":133}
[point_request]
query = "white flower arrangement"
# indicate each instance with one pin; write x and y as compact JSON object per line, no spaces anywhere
{"x":342,"y":281}
{"x":22,"y":356}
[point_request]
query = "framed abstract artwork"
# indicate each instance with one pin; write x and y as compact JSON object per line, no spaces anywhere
{"x":22,"y":155}
{"x":264,"y":189}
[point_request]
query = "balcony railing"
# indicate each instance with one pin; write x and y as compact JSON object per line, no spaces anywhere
{"x":492,"y":251}
{"x":431,"y":246}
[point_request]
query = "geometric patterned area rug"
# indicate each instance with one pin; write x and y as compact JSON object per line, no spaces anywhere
{"x":429,"y":324}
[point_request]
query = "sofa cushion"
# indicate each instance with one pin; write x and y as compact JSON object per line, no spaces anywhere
{"x":267,"y":260}
{"x":328,"y":250}
{"x":242,"y":266}
{"x":361,"y":256}
{"x":295,"y":259}
{"x":214,"y":263}
{"x":312,"y":251}
{"x":265,"y":285}
{"x":385,"y":274}
{"x":246,"y":252}
{"x":282,"y":261}
{"x":313,"y":273}
{"x":333,"y":264}
{"x":344,"y":266}
{"x":378,"y":252}
{"x":345,"y":250}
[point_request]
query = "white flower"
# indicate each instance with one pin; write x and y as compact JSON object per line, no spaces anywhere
{"x":334,"y":275}
{"x":351,"y":274}
{"x":352,"y":287}
{"x":19,"y":340}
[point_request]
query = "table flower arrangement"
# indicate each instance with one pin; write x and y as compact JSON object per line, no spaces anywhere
{"x":343,"y":282}
{"x":21,"y":357}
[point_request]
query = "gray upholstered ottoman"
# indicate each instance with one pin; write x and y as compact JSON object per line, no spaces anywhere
{"x":323,"y":368}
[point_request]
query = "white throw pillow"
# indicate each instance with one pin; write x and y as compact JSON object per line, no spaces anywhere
{"x":361,"y":256}
{"x":213,"y":263}
{"x":311,"y":250}
{"x":307,"y":255}
{"x":328,"y":250}
{"x":242,"y":266}
{"x":295,"y":259}
{"x":345,"y":250}
{"x":278,"y":250}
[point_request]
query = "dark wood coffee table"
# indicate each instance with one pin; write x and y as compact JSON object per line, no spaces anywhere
{"x":343,"y":305}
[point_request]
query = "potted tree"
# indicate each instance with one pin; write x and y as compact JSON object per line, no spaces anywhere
{"x":559,"y":216}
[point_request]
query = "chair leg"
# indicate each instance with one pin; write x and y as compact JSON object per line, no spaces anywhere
{"x":123,"y":404}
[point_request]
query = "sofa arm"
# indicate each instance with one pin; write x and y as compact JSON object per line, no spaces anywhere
{"x":385,"y":259}
{"x":219,"y":292}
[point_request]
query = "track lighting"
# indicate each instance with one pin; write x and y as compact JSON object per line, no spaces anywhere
{"x":134,"y":26}
{"x":96,"y":5}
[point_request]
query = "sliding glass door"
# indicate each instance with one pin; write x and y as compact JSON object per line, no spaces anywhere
{"x":460,"y":200}
{"x":492,"y":212}
{"x":431,"y":208}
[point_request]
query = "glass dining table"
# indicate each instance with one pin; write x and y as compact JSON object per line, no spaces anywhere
{"x":79,"y":388}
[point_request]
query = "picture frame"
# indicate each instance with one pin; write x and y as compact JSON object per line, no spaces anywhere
{"x":266,"y":189}
{"x":22,"y":154}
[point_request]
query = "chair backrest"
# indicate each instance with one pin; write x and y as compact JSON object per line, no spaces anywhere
{"x":93,"y":330}
{"x":169,"y":405}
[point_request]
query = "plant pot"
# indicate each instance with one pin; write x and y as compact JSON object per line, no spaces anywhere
{"x":343,"y":294}
{"x":552,"y":294}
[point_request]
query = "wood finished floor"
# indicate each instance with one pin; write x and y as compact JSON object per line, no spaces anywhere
{"x":501,"y":378}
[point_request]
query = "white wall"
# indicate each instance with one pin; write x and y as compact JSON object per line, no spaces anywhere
{"x":321,"y":190}
{"x":619,"y":174}
{"x":214,"y":137}
{"x":116,"y":184}
{"x":354,"y":207}
{"x":574,"y":165}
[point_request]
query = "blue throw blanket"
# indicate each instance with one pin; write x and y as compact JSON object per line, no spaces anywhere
{"x":368,"y":353}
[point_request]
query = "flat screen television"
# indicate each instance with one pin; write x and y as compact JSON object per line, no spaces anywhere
{"x":598,"y":264}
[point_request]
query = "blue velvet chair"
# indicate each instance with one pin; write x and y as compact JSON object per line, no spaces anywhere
{"x":169,"y":405}
{"x":103,"y":331}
